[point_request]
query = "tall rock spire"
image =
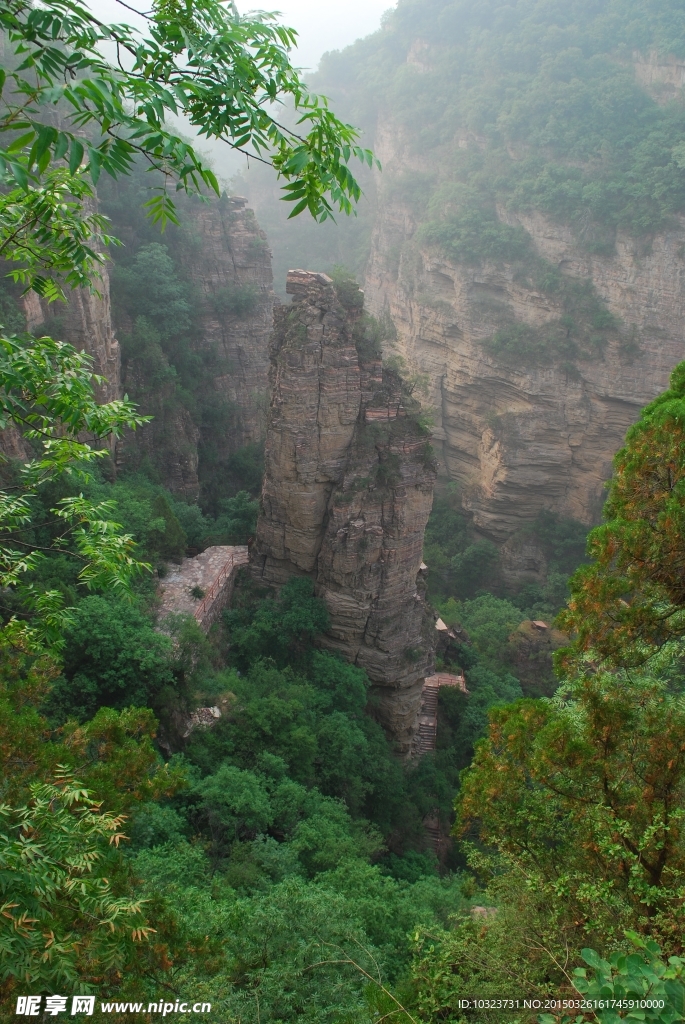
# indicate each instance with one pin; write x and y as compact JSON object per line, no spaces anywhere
{"x":348,"y":488}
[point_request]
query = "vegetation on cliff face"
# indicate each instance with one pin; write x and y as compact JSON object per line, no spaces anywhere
{"x":169,"y":365}
{"x":571,"y":808}
{"x":533,"y":106}
{"x":628,"y":605}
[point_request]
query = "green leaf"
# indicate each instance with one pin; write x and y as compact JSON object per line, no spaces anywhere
{"x":22,"y":142}
{"x":591,"y":957}
{"x":94,"y":163}
{"x":46,"y":136}
{"x":62,"y":146}
{"x":299,"y":208}
{"x":75,"y":156}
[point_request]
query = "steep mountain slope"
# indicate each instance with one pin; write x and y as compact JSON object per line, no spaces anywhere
{"x":193,"y":312}
{"x":528,"y":233}
{"x":194,"y":316}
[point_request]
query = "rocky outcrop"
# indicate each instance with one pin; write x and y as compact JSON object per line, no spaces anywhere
{"x":662,"y":75}
{"x":521,"y":434}
{"x":530,"y":650}
{"x":347,"y":492}
{"x":229,"y":262}
{"x":84,"y":320}
{"x":233,"y":271}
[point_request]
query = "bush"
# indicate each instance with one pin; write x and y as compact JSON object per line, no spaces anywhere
{"x":235,"y":300}
{"x":112,"y":657}
{"x":237,"y":520}
{"x":281,"y":628}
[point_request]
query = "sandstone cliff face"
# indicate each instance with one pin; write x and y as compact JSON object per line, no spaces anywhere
{"x":346,"y":496}
{"x":230,"y":265}
{"x":518,"y":436}
{"x":233,"y":270}
{"x":85,"y":320}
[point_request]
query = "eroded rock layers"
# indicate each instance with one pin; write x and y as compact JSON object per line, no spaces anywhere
{"x":539,"y":365}
{"x":229,"y":264}
{"x":233,"y":271}
{"x":347,"y":492}
{"x":521,"y":434}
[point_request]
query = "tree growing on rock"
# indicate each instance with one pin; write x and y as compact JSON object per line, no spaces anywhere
{"x":630,"y":602}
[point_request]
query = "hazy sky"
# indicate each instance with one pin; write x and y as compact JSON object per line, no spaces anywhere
{"x":327,"y":24}
{"x":322,"y":24}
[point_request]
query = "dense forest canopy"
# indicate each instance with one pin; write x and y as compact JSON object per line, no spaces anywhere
{"x":277,"y":866}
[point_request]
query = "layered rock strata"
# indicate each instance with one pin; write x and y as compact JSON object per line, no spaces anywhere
{"x":347,"y":492}
{"x":521,"y":434}
{"x":85,"y":320}
{"x":229,"y":262}
{"x":233,"y":271}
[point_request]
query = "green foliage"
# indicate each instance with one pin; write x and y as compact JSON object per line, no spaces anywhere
{"x":223,"y":478}
{"x":466,"y":717}
{"x":234,"y":802}
{"x":170,"y":369}
{"x":564,"y":541}
{"x":635,"y":978}
{"x":61,"y":917}
{"x":149,"y":287}
{"x":474,"y":566}
{"x":581,"y":332}
{"x":628,"y":604}
{"x":348,"y":291}
{"x":154,"y":824}
{"x":532,"y":109}
{"x":46,"y":390}
{"x":12,"y":316}
{"x":473,"y":235}
{"x":282,"y":628}
{"x":237,"y":519}
{"x":235,"y":300}
{"x":582,"y":797}
{"x":460,"y":564}
{"x":205,"y":68}
{"x":489,"y":622}
{"x":165,"y":534}
{"x":46,"y":228}
{"x":112,"y":656}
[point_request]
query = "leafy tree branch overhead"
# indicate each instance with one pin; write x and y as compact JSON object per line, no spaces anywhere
{"x":70,"y":113}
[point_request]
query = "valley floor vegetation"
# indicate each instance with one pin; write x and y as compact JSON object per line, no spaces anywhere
{"x":276,"y":866}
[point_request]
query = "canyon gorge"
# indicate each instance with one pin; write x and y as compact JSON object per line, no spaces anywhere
{"x":319,"y":681}
{"x":535,"y":278}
